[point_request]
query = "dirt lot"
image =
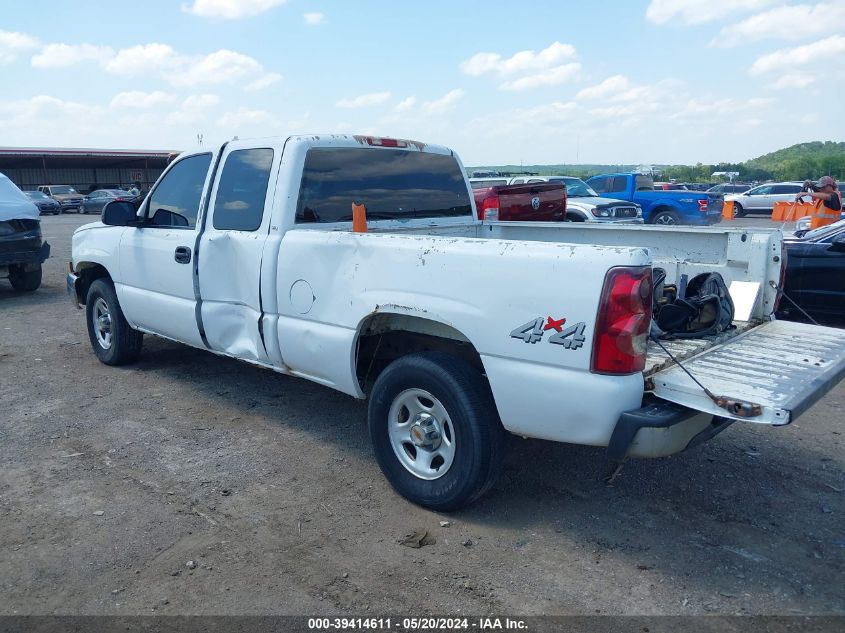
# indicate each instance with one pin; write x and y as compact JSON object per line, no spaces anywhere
{"x":113,"y":479}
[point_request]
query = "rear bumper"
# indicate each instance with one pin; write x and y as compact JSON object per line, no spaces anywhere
{"x":661,"y":428}
{"x":703,"y":219}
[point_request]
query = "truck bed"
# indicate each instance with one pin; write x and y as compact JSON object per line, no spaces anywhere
{"x":681,"y":349}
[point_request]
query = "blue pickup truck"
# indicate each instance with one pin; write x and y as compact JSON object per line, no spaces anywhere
{"x":660,"y":207}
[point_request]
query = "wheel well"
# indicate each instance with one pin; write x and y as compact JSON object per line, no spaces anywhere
{"x":88,"y":273}
{"x":385,"y":337}
{"x":574,"y":217}
{"x":661,"y":209}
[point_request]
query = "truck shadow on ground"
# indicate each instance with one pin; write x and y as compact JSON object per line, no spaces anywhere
{"x":752,"y":501}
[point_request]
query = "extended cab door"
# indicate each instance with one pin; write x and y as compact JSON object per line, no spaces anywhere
{"x":231,"y":251}
{"x":156,"y":285}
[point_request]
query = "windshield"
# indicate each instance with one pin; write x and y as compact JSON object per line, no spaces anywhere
{"x":824,"y":231}
{"x":576,"y":188}
{"x":35,"y":194}
{"x":62,"y":189}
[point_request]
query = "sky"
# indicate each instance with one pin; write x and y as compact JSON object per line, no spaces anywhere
{"x":537,"y":82}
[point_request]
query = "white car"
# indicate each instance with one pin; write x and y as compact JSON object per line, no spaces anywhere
{"x":457,"y":330}
{"x":762,"y":199}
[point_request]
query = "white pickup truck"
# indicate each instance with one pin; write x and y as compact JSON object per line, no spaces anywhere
{"x":457,"y":330}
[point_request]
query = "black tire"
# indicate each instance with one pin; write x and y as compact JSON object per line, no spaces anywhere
{"x":471,"y":422}
{"x":124,"y":344}
{"x":739,"y":212}
{"x":24,"y":280}
{"x":665,"y":218}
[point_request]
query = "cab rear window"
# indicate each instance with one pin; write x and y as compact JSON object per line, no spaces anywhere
{"x":392,"y":184}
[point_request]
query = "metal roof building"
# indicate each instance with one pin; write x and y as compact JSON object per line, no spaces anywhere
{"x":84,"y":169}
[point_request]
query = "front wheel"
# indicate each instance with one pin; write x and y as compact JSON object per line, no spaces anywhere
{"x":739,"y":212}
{"x":25,"y":280}
{"x":113,"y":340}
{"x":666,"y":218}
{"x":435,"y":430}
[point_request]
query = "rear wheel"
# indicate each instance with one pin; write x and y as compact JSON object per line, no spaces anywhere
{"x":666,"y":218}
{"x":739,"y":212}
{"x":25,"y":280}
{"x":113,"y":340}
{"x":435,"y":430}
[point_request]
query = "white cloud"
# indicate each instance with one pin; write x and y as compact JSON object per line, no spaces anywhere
{"x":794,"y":81}
{"x":444,"y":103}
{"x":200,"y":102}
{"x":223,"y":66}
{"x":265,"y":81}
{"x":406,"y":104}
{"x":698,"y":108}
{"x":521,"y":62}
{"x":791,"y":22}
{"x":138,"y":99}
{"x":809,"y":119}
{"x":43,"y":116}
{"x":230,"y":9}
{"x":142,"y":59}
{"x":64,"y":55}
{"x":243,"y":117}
{"x":787,"y":59}
{"x":362,"y":101}
{"x":313,"y":19}
{"x":193,"y":109}
{"x":700,"y":11}
{"x":552,"y":77}
{"x":527,"y":69}
{"x":13,"y":43}
{"x":606,"y":89}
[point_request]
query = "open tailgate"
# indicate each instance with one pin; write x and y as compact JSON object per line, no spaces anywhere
{"x":770,"y":374}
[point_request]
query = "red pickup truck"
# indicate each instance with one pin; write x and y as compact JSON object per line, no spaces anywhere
{"x":495,"y":199}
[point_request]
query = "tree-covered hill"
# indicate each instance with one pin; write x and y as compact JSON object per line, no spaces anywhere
{"x":798,"y":162}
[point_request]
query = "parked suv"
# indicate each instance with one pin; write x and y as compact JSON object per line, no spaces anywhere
{"x":65,"y":195}
{"x":762,"y":199}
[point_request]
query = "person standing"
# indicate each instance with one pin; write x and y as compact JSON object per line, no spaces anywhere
{"x":826,"y":199}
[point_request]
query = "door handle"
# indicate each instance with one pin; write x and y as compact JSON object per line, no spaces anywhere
{"x":182,"y":255}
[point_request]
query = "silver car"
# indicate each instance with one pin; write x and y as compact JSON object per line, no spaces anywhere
{"x":762,"y":199}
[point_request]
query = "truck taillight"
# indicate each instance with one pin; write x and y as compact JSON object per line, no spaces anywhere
{"x":623,"y":321}
{"x":702,"y":205}
{"x":490,"y":206}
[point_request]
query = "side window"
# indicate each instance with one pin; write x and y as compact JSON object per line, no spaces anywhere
{"x":239,"y":205}
{"x":176,"y":199}
{"x":517,"y":181}
{"x":533,"y":180}
{"x":598,"y":184}
{"x":620,"y":183}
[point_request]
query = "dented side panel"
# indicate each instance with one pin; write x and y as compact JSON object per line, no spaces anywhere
{"x":330,"y":282}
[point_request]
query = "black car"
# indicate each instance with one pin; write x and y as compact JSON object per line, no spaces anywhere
{"x":44,"y":202}
{"x":815,"y":276}
{"x":96,"y":200}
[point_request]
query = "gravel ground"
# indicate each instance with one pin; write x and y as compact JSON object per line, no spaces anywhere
{"x":113,"y":479}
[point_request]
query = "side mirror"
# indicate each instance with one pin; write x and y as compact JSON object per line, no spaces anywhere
{"x":838,"y":244}
{"x":118,"y":214}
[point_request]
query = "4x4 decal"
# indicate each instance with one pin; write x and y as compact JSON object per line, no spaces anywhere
{"x":533,"y":331}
